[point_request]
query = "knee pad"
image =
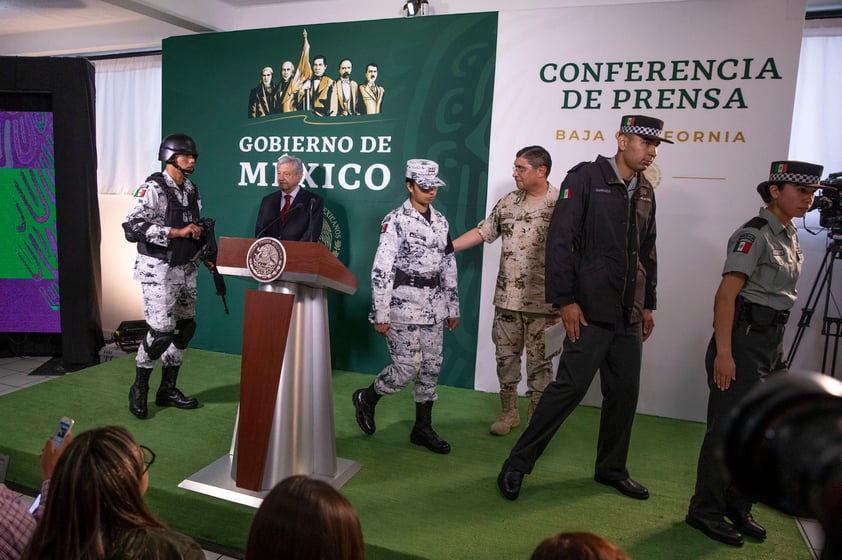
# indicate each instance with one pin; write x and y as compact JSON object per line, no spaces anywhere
{"x":184,"y":331}
{"x":159,"y":342}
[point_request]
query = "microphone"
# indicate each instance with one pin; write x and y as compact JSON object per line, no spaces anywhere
{"x":312,"y":220}
{"x":270,"y":224}
{"x":293,"y":208}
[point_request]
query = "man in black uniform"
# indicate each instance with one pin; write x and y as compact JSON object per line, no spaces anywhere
{"x":601,"y":272}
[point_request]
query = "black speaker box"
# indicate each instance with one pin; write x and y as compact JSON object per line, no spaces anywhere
{"x":129,"y":334}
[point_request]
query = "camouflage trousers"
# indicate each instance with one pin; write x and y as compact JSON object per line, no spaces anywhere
{"x":163,"y":305}
{"x":416,"y":356}
{"x":512,"y":331}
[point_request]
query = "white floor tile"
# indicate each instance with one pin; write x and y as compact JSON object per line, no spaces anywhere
{"x":21,"y":380}
{"x":813,"y":535}
{"x":24,"y":364}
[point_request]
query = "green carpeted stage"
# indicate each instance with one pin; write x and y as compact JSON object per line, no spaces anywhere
{"x":412,"y":503}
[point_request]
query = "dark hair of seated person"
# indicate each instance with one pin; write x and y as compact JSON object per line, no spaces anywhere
{"x":95,"y":508}
{"x":577,"y":545}
{"x":303,"y":518}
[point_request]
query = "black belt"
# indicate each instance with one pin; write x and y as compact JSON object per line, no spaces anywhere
{"x":760,"y":315}
{"x":404,"y":279}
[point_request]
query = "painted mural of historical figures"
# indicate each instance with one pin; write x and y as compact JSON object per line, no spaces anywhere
{"x":262,"y":98}
{"x":318,"y":89}
{"x":286,"y":94}
{"x":345,"y":92}
{"x":371,"y":94}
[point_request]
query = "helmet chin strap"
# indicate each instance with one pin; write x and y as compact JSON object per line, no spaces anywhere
{"x":184,"y":172}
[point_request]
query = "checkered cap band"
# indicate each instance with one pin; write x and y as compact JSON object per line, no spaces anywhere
{"x":797,"y":178}
{"x":640,"y":130}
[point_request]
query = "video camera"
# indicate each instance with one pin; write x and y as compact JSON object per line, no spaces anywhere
{"x":782,"y":446}
{"x":829,"y":203}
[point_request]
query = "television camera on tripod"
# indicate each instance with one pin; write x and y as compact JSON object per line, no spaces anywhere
{"x":829,"y":205}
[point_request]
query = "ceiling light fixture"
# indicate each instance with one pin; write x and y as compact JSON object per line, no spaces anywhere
{"x":415,"y":8}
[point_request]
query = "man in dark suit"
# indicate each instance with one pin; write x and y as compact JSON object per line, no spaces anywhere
{"x":292,"y":213}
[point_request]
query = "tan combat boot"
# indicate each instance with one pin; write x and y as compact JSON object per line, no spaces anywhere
{"x":509,"y":418}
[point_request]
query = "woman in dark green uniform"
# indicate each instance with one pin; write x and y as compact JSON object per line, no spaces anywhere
{"x":750,"y":310}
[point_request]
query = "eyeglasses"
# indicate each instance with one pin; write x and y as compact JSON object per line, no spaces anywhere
{"x":148,"y":457}
{"x":520,"y":169}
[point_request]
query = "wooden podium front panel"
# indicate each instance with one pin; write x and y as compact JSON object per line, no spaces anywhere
{"x":265,"y":331}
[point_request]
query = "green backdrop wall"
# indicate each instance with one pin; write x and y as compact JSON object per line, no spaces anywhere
{"x":438,"y":75}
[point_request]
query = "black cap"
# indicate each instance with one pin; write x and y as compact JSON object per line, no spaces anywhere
{"x":795,"y":172}
{"x":648,"y":127}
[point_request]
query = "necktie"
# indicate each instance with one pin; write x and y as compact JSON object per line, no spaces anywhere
{"x":285,"y":209}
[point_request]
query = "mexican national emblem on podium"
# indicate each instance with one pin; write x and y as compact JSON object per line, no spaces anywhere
{"x":266,"y":259}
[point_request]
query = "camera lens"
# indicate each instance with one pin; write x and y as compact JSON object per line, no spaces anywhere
{"x":783,"y":445}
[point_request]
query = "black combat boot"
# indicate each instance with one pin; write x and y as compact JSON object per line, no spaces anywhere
{"x":139,"y":392}
{"x":423,"y":432}
{"x":168,"y":395}
{"x":364,"y":402}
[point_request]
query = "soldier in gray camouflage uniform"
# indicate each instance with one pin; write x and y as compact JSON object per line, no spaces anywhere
{"x":414,"y":292}
{"x":521,"y":312}
{"x":162,"y":221}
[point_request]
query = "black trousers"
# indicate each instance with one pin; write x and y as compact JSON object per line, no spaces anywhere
{"x":616,"y":352}
{"x":758,"y":353}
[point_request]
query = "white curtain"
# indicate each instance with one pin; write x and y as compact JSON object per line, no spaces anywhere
{"x":815,"y":137}
{"x":128,"y":121}
{"x":817,"y":115}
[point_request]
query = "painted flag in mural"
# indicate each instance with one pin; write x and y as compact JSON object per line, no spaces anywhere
{"x":303,"y":72}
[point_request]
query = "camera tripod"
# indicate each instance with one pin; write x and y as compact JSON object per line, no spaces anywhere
{"x":831,"y":326}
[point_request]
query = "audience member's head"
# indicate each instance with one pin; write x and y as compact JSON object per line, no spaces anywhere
{"x":305,"y":519}
{"x":577,"y":546}
{"x":96,"y":494}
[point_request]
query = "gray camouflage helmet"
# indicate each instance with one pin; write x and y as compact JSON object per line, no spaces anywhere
{"x":175,"y":144}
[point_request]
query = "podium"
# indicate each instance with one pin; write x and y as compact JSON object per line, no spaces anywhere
{"x":284,"y":422}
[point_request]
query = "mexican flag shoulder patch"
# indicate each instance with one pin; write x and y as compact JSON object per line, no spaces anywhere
{"x":744,"y":243}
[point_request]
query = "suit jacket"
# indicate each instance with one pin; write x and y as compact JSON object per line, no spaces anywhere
{"x":371,"y":99}
{"x":261,"y":103}
{"x":321,"y":94}
{"x":339,"y":104}
{"x":287,"y":97}
{"x":303,"y":221}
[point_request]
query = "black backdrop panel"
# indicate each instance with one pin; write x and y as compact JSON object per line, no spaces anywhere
{"x":69,"y":85}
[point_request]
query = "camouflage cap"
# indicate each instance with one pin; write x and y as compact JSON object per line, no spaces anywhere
{"x":425,"y":172}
